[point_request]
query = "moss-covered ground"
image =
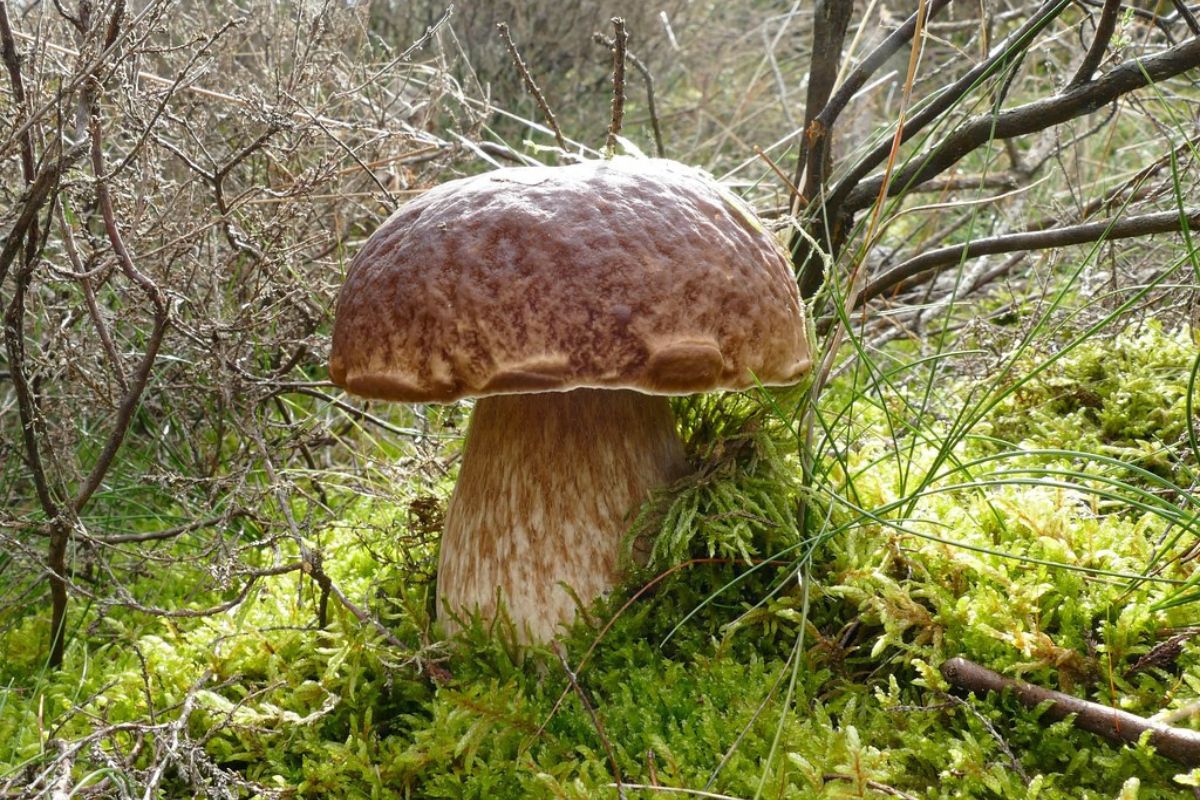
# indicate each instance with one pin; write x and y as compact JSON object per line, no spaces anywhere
{"x":768,"y":658}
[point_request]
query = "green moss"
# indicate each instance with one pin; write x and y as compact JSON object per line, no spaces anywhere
{"x":1127,"y":400}
{"x":692,"y":683}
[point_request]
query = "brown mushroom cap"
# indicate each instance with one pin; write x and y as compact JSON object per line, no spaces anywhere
{"x":635,"y":274}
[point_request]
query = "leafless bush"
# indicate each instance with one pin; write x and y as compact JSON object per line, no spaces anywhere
{"x":180,"y":186}
{"x":1013,"y":131}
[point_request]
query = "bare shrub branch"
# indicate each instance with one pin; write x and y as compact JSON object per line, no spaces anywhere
{"x":1032,"y":117}
{"x":1064,"y":236}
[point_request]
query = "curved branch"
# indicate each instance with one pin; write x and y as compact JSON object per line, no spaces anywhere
{"x":137,"y":384}
{"x":1121,"y":228}
{"x":1095,"y":54}
{"x":1032,"y":117}
{"x":869,"y":65}
{"x":830,"y":20}
{"x":1018,"y":42}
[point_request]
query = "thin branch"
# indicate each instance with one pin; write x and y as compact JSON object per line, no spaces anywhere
{"x":830,"y":20}
{"x":84,"y":277}
{"x":169,"y":533}
{"x":620,"y":40}
{"x":45,"y":182}
{"x":959,"y":183}
{"x":12,"y":62}
{"x":651,"y":107}
{"x":365,"y":618}
{"x":657,"y":789}
{"x":1187,"y":15}
{"x":1105,"y":230}
{"x":531,"y":85}
{"x":31,"y":204}
{"x":1001,"y":56}
{"x":141,"y":375}
{"x":1032,"y":117}
{"x":251,"y":577}
{"x":426,"y":37}
{"x":779,"y":173}
{"x":242,"y":101}
{"x":876,"y":786}
{"x":608,"y":748}
{"x":83,"y":74}
{"x":866,"y":68}
{"x":1119,"y":727}
{"x":995,"y":734}
{"x":355,"y":413}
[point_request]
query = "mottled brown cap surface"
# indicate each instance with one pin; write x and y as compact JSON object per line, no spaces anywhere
{"x":630,"y":273}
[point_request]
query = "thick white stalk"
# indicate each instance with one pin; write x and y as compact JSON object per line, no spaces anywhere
{"x":548,"y":486}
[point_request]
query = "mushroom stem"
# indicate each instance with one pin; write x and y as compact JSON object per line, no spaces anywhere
{"x":547,"y":489}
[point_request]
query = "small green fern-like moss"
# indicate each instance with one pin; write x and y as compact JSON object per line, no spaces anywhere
{"x":739,"y":503}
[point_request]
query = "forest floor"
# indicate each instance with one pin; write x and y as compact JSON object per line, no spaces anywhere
{"x":1055,"y":542}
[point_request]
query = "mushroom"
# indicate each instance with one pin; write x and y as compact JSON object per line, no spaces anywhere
{"x":571,"y":301}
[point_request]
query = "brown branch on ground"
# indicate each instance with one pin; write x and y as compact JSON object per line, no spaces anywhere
{"x":1104,"y":230}
{"x":1119,"y":727}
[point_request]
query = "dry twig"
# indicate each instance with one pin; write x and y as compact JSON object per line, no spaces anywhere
{"x":620,"y":39}
{"x":531,"y":85}
{"x":1120,"y":727}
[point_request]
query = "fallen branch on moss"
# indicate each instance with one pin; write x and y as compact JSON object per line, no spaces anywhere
{"x":1120,"y":727}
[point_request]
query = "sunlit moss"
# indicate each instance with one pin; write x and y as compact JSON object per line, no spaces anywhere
{"x":689,"y":682}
